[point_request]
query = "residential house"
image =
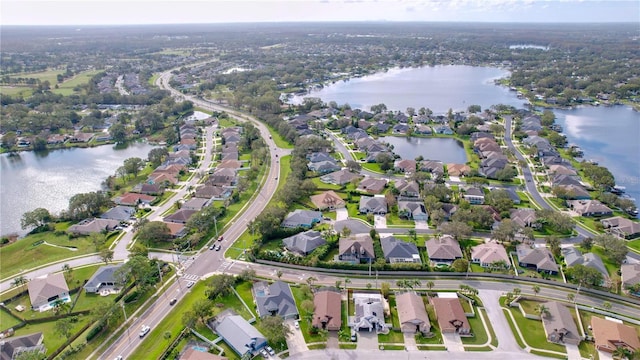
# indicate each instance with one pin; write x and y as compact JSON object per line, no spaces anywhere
{"x":589,"y":208}
{"x":490,"y":255}
{"x":356,"y":249}
{"x":443,"y":250}
{"x":370,"y":310}
{"x":573,"y":257}
{"x":524,"y":217}
{"x":301,"y":218}
{"x":104,"y":279}
{"x":513,"y":195}
{"x":162,"y":178}
{"x":621,"y":227}
{"x":443,"y":129}
{"x":304,"y":243}
{"x":324,"y":167}
{"x":88,"y":226}
{"x":474,"y":196}
{"x":195,"y":203}
{"x":539,"y":258}
{"x":401,"y":129}
{"x":120,"y":213}
{"x":372,"y":185}
{"x":327,"y":313}
{"x":133,"y":199}
{"x":412,"y":313}
{"x":407,"y":188}
{"x":458,"y":169}
{"x":406,"y":166}
{"x":423,"y":129}
{"x":577,"y":192}
{"x":275,"y":300}
{"x":45,"y":291}
{"x":412,"y":208}
{"x":341,"y":177}
{"x":373,"y":205}
{"x":558,"y":169}
{"x":398,"y":251}
{"x":181,"y":216}
{"x":450,"y":315}
{"x":148,"y":189}
{"x":630,"y":276}
{"x":432,"y":166}
{"x":229,"y":164}
{"x":328,"y":200}
{"x":213,"y":192}
{"x":12,"y":347}
{"x":559,"y":325}
{"x":241,"y":336}
{"x":176,"y":230}
{"x":609,"y":335}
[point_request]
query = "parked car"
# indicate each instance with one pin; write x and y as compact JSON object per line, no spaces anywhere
{"x":354,"y":337}
{"x":296,"y":324}
{"x":144,"y":330}
{"x":264,"y":353}
{"x":270,"y":350}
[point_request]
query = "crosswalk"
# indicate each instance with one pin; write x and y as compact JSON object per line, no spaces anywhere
{"x":192,"y":277}
{"x":226,"y":265}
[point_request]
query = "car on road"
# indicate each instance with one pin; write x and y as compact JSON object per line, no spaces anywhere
{"x":190,"y":284}
{"x":144,"y":330}
{"x":296,"y":324}
{"x":264,"y":353}
{"x":270,"y":350}
{"x":119,"y":357}
{"x":213,"y":246}
{"x":354,"y":337}
{"x":218,"y":247}
{"x":220,"y":238}
{"x":173,"y":301}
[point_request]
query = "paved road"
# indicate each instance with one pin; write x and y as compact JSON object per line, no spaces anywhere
{"x":332,"y":354}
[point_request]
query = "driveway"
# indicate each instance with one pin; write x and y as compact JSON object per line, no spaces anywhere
{"x":380,"y":221}
{"x":295,"y":341}
{"x":367,"y":340}
{"x":452,"y":341}
{"x":342,"y":214}
{"x":506,"y":338}
{"x":410,"y":341}
{"x":573,"y":352}
{"x":421,"y":224}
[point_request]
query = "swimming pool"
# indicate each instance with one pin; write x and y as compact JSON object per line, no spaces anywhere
{"x":200,"y":348}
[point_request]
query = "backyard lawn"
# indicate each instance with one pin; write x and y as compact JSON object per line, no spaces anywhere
{"x":477,"y":328}
{"x":533,"y":332}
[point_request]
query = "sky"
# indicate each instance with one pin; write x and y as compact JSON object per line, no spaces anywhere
{"x":102,"y":12}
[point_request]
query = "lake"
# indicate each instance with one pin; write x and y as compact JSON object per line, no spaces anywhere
{"x":438,"y":88}
{"x":447,"y":150}
{"x":31,"y":180}
{"x":609,"y":135}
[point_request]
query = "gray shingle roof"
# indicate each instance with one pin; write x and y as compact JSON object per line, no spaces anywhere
{"x":240,"y":335}
{"x":105,"y":274}
{"x":275,"y":298}
{"x":304,"y":242}
{"x":394,"y":248}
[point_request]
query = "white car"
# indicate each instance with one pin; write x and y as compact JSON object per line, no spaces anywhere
{"x":264,"y":353}
{"x":270,"y":350}
{"x":296,"y":324}
{"x":144,"y":330}
{"x":190,"y":284}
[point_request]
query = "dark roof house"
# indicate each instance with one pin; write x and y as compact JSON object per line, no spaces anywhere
{"x":304,"y":242}
{"x":397,"y":251}
{"x":275,"y":299}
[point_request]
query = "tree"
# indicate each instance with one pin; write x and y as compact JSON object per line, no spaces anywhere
{"x":338,"y":284}
{"x":430,"y":284}
{"x":571,"y":297}
{"x":35,"y":218}
{"x":279,"y":274}
{"x":385,"y":288}
{"x":506,"y":231}
{"x":347,"y":281}
{"x":308,"y":308}
{"x":456,"y":229}
{"x":460,"y":265}
{"x":274,"y":329}
{"x":106,"y":255}
{"x":219,"y":285}
{"x":582,"y":275}
{"x":407,"y":283}
{"x":63,"y":327}
{"x":118,"y":133}
{"x":353,"y":166}
{"x":385,"y":160}
{"x":310,"y":280}
{"x":157,"y":155}
{"x":189,"y":319}
{"x":536,"y":289}
{"x":606,"y":305}
{"x":202,"y":310}
{"x":153,"y":231}
{"x":133,"y":165}
{"x":19,"y":281}
{"x":517,"y":291}
{"x":61,"y":306}
{"x":616,"y":248}
{"x":68,"y":272}
{"x":542,"y":310}
{"x":554,"y":245}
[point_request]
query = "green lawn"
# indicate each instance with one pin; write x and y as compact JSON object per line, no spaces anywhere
{"x":7,"y":321}
{"x":324,"y":186}
{"x":634,"y":245}
{"x":479,"y":333}
{"x":529,"y":306}
{"x":375,"y":167}
{"x":52,"y":339}
{"x":587,"y":349}
{"x":67,"y":87}
{"x":513,"y":328}
{"x":24,"y":255}
{"x":533,"y":332}
{"x":23,"y":91}
{"x":280,"y":142}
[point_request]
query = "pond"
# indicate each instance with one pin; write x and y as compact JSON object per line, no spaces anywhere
{"x":447,"y":150}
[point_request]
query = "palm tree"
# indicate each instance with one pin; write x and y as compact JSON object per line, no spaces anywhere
{"x":346,"y":281}
{"x":517,"y":291}
{"x":623,"y":353}
{"x":571,"y":297}
{"x":310,"y":280}
{"x":536,"y":289}
{"x":19,"y":281}
{"x":338,"y":284}
{"x":430,"y":284}
{"x":279,"y":274}
{"x":542,"y":310}
{"x":61,"y":306}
